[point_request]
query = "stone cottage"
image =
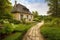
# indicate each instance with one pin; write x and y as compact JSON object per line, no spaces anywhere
{"x":20,"y":13}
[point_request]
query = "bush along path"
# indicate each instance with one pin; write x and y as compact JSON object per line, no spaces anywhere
{"x":34,"y":33}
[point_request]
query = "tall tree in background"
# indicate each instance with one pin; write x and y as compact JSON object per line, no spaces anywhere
{"x":54,"y":9}
{"x":5,"y":8}
{"x":35,"y":14}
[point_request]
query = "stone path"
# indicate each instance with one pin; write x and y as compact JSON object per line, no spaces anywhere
{"x":34,"y":33}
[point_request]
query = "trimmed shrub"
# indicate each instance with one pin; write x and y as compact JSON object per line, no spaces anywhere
{"x":14,"y":21}
{"x":37,"y":20}
{"x":51,"y":33}
{"x":7,"y":28}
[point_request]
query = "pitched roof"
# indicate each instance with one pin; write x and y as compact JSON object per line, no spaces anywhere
{"x":20,"y":8}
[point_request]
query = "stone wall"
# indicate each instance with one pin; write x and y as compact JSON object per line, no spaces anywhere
{"x":16,"y":16}
{"x":27,"y":17}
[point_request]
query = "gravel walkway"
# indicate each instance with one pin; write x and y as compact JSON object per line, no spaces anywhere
{"x":34,"y":33}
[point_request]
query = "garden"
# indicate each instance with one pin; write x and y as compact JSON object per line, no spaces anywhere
{"x":13,"y":31}
{"x":10,"y":28}
{"x":51,"y":29}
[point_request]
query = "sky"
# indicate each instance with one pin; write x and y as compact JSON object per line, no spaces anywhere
{"x":34,"y":5}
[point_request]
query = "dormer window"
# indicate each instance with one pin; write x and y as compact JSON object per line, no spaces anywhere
{"x":26,"y":9}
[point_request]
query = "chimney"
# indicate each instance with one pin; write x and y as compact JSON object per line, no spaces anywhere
{"x":15,"y":2}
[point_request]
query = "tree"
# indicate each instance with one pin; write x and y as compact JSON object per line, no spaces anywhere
{"x":54,"y":9}
{"x":5,"y":8}
{"x":35,"y":14}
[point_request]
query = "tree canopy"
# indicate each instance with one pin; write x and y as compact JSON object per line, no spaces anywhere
{"x":54,"y":7}
{"x":35,"y":14}
{"x":5,"y":8}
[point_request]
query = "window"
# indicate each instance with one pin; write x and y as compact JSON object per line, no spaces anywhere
{"x":26,"y":9}
{"x":31,"y":16}
{"x":27,"y":16}
{"x":21,"y":17}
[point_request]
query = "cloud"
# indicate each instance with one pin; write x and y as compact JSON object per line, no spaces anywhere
{"x":41,"y":8}
{"x":35,"y":5}
{"x":33,"y":1}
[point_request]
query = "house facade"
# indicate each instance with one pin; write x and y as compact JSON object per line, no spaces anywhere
{"x":20,"y":13}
